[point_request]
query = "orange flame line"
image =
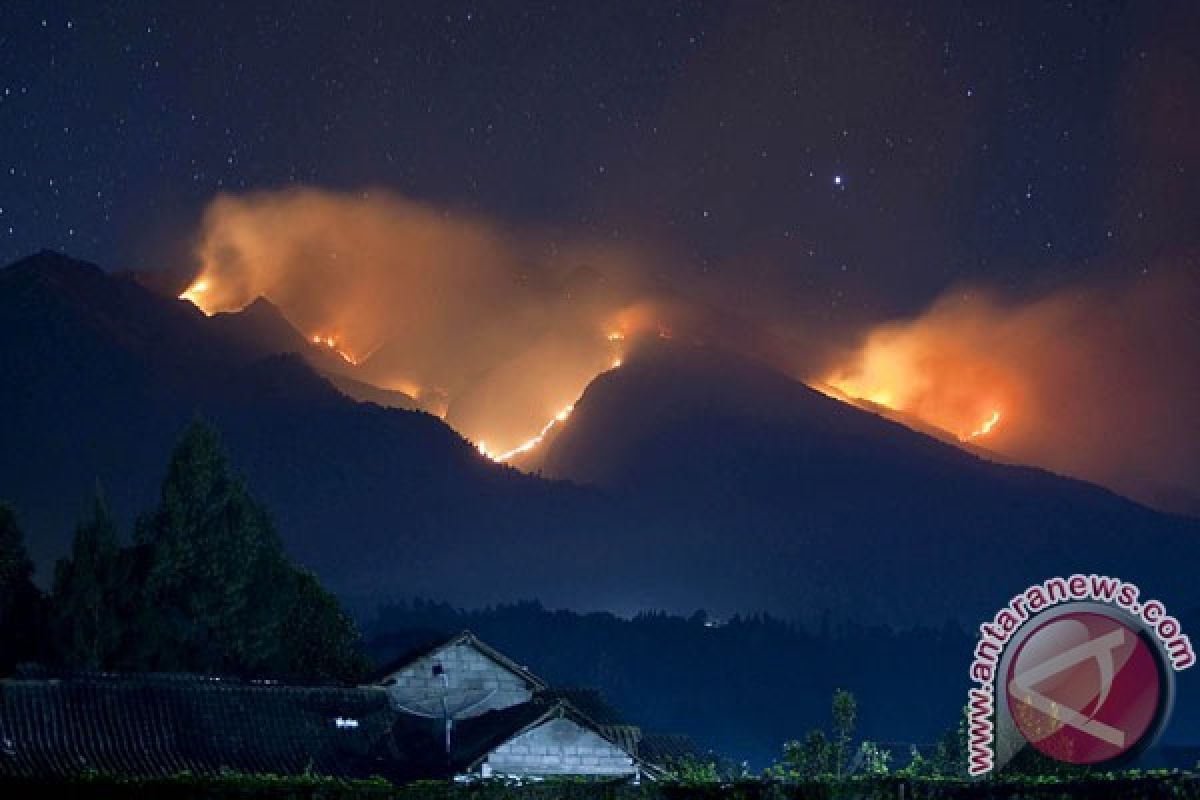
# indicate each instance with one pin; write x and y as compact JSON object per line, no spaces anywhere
{"x":985,"y":428}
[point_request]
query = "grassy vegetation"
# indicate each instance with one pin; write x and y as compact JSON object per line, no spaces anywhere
{"x":1131,"y":786}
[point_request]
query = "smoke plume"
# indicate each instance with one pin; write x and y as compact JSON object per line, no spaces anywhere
{"x":500,"y":330}
{"x":1100,"y":383}
{"x":494,"y":330}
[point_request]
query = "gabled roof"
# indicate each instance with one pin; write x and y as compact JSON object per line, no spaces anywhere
{"x":158,"y":725}
{"x":606,"y":718}
{"x":665,"y":749}
{"x":420,"y":740}
{"x":588,"y":701}
{"x":464,"y":638}
{"x":483,"y":734}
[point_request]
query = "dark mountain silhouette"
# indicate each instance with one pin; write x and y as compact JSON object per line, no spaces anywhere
{"x":781,"y":492}
{"x":718,"y":483}
{"x":260,"y":329}
{"x":100,"y":376}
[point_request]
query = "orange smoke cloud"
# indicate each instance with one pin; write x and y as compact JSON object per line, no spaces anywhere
{"x":1101,"y":383}
{"x":496,"y":331}
{"x":499,"y":331}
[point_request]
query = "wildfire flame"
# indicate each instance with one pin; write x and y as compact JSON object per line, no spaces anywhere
{"x":985,"y":428}
{"x":935,"y":377}
{"x":332,"y":343}
{"x":193,"y":292}
{"x":531,"y":442}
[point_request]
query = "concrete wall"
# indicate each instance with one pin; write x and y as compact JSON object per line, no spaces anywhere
{"x":476,"y":684}
{"x":558,"y":747}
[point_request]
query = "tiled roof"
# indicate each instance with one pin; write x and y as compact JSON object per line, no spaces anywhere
{"x":590,"y":702}
{"x":668,"y":748}
{"x":162,"y":724}
{"x":156,"y":725}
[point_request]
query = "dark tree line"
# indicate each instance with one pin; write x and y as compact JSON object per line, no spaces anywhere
{"x":740,"y":686}
{"x":204,"y":586}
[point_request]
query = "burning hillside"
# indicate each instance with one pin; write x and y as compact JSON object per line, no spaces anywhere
{"x":500,"y":333}
{"x":1099,"y":384}
{"x":496,"y":333}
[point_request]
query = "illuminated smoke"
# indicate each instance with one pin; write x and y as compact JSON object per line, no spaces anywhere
{"x":500,"y":331}
{"x":1099,"y":383}
{"x":195,"y":294}
{"x":495,"y":331}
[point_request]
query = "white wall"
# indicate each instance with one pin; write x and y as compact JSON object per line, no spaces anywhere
{"x":476,"y":684}
{"x":559,"y":747}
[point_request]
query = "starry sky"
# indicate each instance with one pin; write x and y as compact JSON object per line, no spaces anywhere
{"x":848,"y":157}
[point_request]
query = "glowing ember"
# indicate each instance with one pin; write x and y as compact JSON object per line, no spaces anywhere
{"x":616,"y":336}
{"x":616,"y":362}
{"x":530,"y":443}
{"x":985,"y":428}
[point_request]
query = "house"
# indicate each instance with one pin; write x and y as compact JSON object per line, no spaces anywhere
{"x":454,"y":709}
{"x":496,"y":717}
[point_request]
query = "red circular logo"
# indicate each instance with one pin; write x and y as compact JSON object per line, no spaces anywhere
{"x":1085,"y":688}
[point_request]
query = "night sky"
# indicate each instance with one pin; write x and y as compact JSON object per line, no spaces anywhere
{"x":850,"y":157}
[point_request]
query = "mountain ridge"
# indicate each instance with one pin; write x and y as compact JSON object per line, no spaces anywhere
{"x":684,"y":479}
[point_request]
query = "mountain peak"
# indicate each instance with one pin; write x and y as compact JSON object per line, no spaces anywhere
{"x":53,"y":265}
{"x":258,"y":313}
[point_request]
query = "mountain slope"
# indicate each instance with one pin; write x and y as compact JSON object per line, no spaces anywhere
{"x":781,"y":492}
{"x":100,"y":375}
{"x":721,"y":484}
{"x":260,"y":329}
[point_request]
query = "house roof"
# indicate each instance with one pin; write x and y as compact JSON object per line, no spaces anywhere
{"x":588,"y":701}
{"x":158,"y":725}
{"x":420,"y":740}
{"x":668,"y":748}
{"x":466,"y":638}
{"x":483,"y":734}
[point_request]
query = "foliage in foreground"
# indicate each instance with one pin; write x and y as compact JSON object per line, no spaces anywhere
{"x":185,"y":787}
{"x":205,"y":586}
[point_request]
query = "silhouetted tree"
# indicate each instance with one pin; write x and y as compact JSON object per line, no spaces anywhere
{"x":215,"y":587}
{"x":91,"y":602}
{"x":215,"y":591}
{"x":318,"y":638}
{"x":22,"y":610}
{"x":805,"y":760}
{"x":949,"y":758}
{"x":819,"y":755}
{"x":845,"y":714}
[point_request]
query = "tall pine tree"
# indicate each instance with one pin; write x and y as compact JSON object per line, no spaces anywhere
{"x":215,"y":584}
{"x":91,"y":602}
{"x":22,"y":610}
{"x":319,"y":641}
{"x":216,"y":592}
